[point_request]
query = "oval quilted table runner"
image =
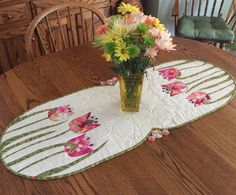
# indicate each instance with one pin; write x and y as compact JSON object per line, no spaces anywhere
{"x":81,"y":130}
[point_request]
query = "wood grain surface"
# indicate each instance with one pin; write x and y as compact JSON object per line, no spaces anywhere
{"x":199,"y":158}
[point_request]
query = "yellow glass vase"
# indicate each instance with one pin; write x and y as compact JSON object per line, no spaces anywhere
{"x":130,"y":92}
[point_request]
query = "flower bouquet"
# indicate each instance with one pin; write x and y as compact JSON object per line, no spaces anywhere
{"x":131,"y":41}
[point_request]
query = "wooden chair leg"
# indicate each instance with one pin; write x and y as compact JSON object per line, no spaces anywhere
{"x":215,"y":44}
{"x":221,"y":45}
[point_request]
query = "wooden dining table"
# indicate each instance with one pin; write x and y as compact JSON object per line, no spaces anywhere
{"x":199,"y":158}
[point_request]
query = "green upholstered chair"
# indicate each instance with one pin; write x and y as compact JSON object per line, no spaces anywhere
{"x":202,"y":21}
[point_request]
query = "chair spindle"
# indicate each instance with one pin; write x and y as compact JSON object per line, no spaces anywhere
{"x":61,"y":30}
{"x":199,"y":7}
{"x":193,"y":7}
{"x":77,"y":27}
{"x":186,"y":7}
{"x":93,"y":28}
{"x":71,"y":26}
{"x":50,"y":33}
{"x":220,"y":10}
{"x":213,"y":8}
{"x":206,"y":7}
{"x":70,"y":22}
{"x":82,"y":24}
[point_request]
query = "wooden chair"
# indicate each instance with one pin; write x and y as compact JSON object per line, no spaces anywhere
{"x":62,"y":26}
{"x":202,"y":20}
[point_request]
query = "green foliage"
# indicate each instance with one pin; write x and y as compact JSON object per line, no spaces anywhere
{"x":148,"y":40}
{"x":96,"y":42}
{"x":231,"y":46}
{"x":109,"y":48}
{"x":133,"y":51}
{"x":113,"y":18}
{"x":116,"y":60}
{"x":143,"y":27}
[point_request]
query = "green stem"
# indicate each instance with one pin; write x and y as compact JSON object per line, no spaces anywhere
{"x":25,"y":141}
{"x":21,"y":118}
{"x":56,"y":170}
{"x":206,"y":80}
{"x":195,"y":74}
{"x":40,"y":160}
{"x":194,"y":81}
{"x":224,"y":97}
{"x":64,"y":132}
{"x":26,"y":125}
{"x":216,"y":84}
{"x":179,"y":64}
{"x":181,"y":69}
{"x":14,"y":138}
{"x":220,"y":89}
{"x":33,"y":154}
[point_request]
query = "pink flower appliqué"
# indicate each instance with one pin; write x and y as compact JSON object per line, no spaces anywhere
{"x":60,"y":113}
{"x":198,"y":98}
{"x":157,"y":134}
{"x":83,"y":123}
{"x":174,"y":88}
{"x":78,"y":146}
{"x":169,"y":73}
{"x":109,"y":82}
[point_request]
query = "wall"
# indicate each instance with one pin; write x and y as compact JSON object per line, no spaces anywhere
{"x":165,"y":10}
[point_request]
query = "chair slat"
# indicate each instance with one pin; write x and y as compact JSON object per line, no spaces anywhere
{"x":93,"y":28}
{"x":231,"y":12}
{"x":233,"y":16}
{"x":71,"y":26}
{"x":206,"y":7}
{"x":41,"y":41}
{"x":82,"y":24}
{"x":86,"y":31}
{"x":192,"y":12}
{"x":50,"y":33}
{"x":213,"y":8}
{"x":77,"y":27}
{"x":61,"y":30}
{"x":220,"y":9}
{"x":199,"y":7}
{"x":186,"y":7}
{"x":234,"y":26}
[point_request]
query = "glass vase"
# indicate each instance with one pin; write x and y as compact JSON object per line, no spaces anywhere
{"x":130,"y":92}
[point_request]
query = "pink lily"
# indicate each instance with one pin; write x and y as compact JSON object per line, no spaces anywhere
{"x":198,"y":98}
{"x":169,"y":73}
{"x":174,"y":88}
{"x":83,"y":123}
{"x":60,"y":113}
{"x":78,"y":146}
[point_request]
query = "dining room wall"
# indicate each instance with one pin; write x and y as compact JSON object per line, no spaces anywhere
{"x":165,"y":10}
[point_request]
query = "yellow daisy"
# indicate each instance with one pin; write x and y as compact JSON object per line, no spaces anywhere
{"x":107,"y":57}
{"x":108,"y":37}
{"x":157,"y":24}
{"x":121,"y":51}
{"x":127,"y":9}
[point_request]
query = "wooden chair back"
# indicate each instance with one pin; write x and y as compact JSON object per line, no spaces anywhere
{"x":62,"y":26}
{"x":204,"y":7}
{"x":231,"y":17}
